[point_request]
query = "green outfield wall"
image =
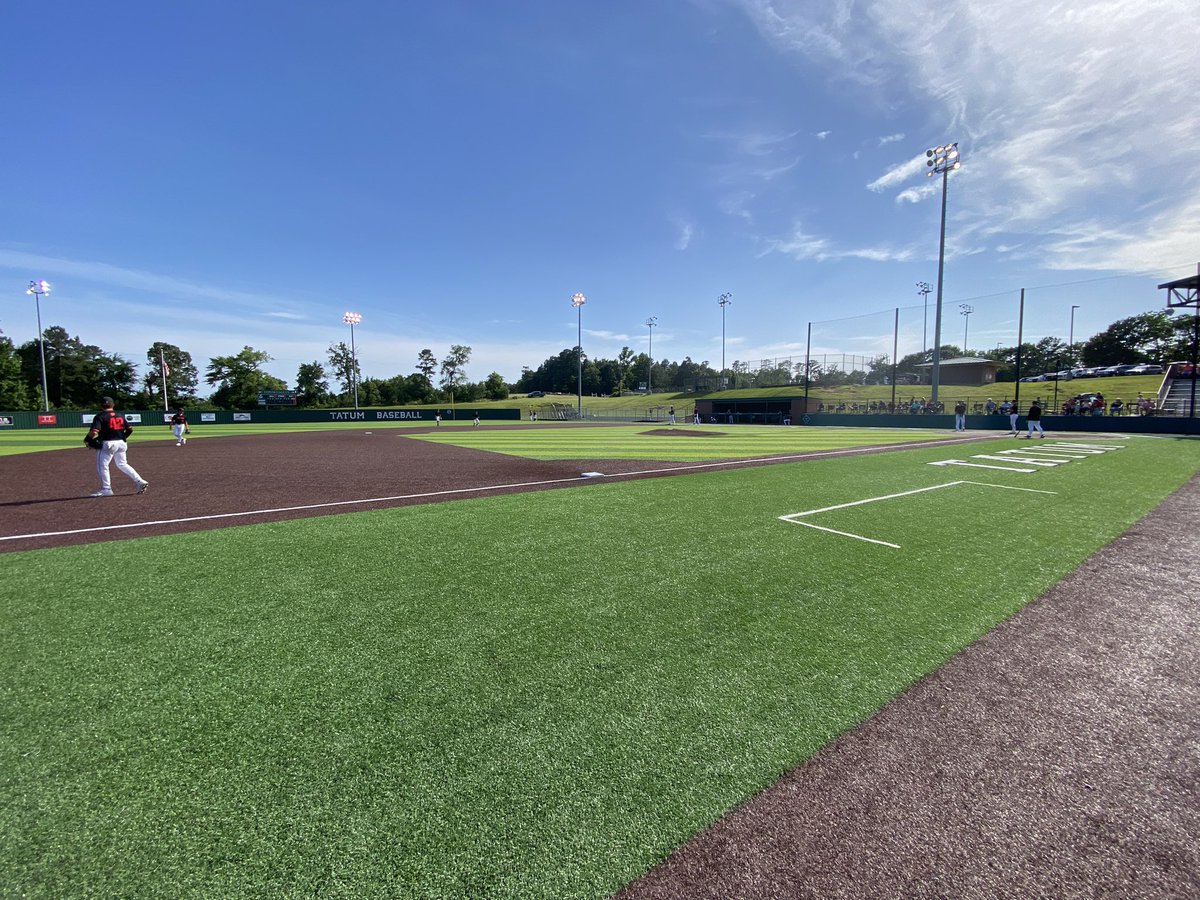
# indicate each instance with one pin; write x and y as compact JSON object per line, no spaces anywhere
{"x":74,"y":418}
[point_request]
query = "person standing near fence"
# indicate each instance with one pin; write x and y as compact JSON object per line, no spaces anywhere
{"x":1012,"y":418}
{"x":108,"y":436}
{"x":960,"y":416}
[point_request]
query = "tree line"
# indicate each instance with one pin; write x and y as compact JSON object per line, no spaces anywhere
{"x":77,"y":374}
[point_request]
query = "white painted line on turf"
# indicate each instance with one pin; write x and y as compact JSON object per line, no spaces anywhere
{"x":795,"y":518}
{"x":282,"y":509}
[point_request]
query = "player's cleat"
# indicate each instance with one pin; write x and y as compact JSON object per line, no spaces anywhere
{"x":142,"y":487}
{"x":101,"y":494}
{"x":179,"y":443}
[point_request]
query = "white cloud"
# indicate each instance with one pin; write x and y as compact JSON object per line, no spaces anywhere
{"x":821,"y":135}
{"x":803,"y":246}
{"x":1080,"y":113}
{"x":898,"y":174}
{"x":891,"y":139}
{"x":685,"y":236}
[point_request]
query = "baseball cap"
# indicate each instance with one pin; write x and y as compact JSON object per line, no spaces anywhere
{"x":106,"y":401}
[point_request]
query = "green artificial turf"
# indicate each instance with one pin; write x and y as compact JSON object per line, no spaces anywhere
{"x":534,"y":695}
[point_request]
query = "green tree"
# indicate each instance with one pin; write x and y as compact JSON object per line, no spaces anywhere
{"x":495,"y":388}
{"x":239,"y":378}
{"x":1143,"y":338}
{"x":454,"y":369}
{"x":182,"y":374}
{"x":14,"y":394}
{"x":343,"y":365}
{"x":311,"y":384}
{"x":426,"y":364}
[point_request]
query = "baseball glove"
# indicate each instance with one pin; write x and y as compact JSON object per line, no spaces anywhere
{"x":93,"y":442}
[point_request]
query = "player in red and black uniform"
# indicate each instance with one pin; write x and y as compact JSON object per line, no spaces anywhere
{"x":179,"y":425}
{"x":108,"y":435}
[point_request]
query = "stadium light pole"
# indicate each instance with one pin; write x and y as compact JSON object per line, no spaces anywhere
{"x":650,"y":323}
{"x":577,"y":301}
{"x":941,"y":161}
{"x":723,"y":301}
{"x":965,"y":309}
{"x":40,"y":289}
{"x":352,"y":319}
{"x":1071,"y":334}
{"x":923,"y":289}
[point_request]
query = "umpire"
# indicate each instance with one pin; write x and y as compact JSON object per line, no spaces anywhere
{"x":108,"y":436}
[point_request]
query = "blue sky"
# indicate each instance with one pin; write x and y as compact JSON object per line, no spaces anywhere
{"x":222,"y":174}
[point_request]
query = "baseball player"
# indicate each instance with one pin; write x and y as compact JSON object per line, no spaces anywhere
{"x":179,"y":425}
{"x":108,"y":436}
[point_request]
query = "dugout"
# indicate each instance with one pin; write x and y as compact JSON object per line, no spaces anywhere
{"x":753,"y":411}
{"x":964,"y":370}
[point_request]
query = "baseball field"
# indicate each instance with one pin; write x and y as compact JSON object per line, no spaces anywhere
{"x":527,"y":661}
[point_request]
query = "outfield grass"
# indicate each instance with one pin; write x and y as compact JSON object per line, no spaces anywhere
{"x":533,"y":695}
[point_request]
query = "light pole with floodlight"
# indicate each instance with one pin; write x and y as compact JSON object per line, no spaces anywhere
{"x":941,"y":161}
{"x":352,"y":319}
{"x":724,"y":300}
{"x":1071,"y":335}
{"x":965,"y":309}
{"x":577,"y":301}
{"x":39,"y":289}
{"x":650,"y":323}
{"x":923,"y":289}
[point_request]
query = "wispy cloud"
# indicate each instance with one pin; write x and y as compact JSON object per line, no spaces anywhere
{"x":898,"y":174}
{"x":801,"y":245}
{"x":684,"y":237}
{"x":821,"y":135}
{"x":1088,"y":117}
{"x":118,"y":277}
{"x":891,"y":139}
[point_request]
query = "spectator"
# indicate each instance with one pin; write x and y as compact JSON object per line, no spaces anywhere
{"x":990,"y":406}
{"x":1116,"y":408}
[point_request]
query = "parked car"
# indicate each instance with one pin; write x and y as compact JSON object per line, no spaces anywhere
{"x":1034,"y":378}
{"x":1145,"y":369}
{"x":536,"y":394}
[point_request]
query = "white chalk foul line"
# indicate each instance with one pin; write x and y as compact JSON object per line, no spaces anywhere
{"x":794,"y":518}
{"x":283,"y":509}
{"x":471,"y":490}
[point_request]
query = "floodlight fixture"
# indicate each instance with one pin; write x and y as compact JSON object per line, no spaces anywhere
{"x":724,"y":300}
{"x":924,"y":289}
{"x":650,"y":323}
{"x":40,"y":289}
{"x":941,"y":161}
{"x":965,"y":310}
{"x":577,"y":301}
{"x":352,"y":319}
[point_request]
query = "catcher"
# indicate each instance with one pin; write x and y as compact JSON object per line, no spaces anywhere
{"x":179,"y":424}
{"x":108,"y":436}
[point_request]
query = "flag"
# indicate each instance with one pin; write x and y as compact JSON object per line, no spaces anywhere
{"x":166,"y":369}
